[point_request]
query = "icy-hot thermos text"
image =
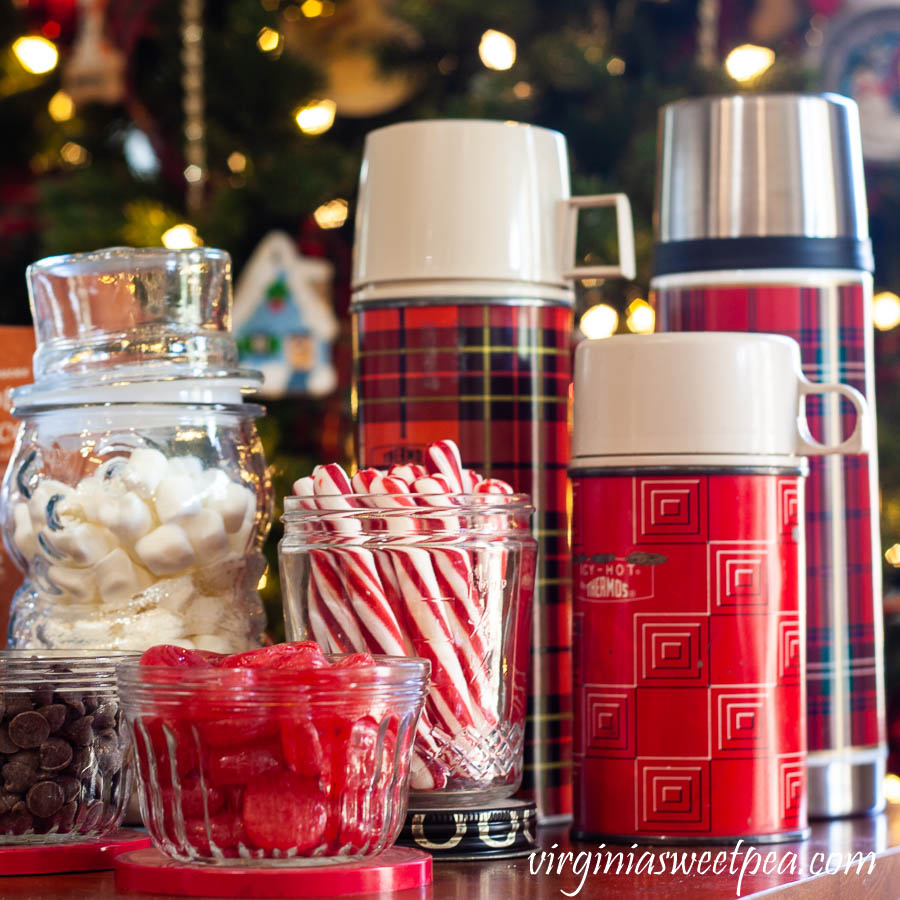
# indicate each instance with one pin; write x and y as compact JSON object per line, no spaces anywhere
{"x":688,"y":549}
{"x":462,"y":327}
{"x":762,"y":227}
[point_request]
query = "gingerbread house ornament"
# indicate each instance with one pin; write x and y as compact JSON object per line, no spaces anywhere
{"x":283,"y":319}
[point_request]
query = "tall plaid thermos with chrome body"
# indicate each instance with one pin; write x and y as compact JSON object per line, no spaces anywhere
{"x":462,"y":329}
{"x":761,"y":218}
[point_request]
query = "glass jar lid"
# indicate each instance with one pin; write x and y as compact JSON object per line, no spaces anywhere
{"x":124,"y":316}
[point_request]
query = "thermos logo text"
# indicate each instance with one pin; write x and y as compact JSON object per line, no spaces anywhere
{"x":609,"y":577}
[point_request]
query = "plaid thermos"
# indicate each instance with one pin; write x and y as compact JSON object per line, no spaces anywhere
{"x":462,"y":329}
{"x":762,"y":227}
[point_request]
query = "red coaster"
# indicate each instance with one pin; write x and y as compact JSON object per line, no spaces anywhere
{"x":151,"y":872}
{"x":80,"y":856}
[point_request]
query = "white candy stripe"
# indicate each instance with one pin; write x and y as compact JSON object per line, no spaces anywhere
{"x":443,"y":457}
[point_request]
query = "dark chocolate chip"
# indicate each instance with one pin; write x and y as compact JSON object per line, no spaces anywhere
{"x":6,"y":745}
{"x":91,"y":702}
{"x":42,"y":693}
{"x":2,"y":704}
{"x":17,"y":822}
{"x":72,"y":699}
{"x":56,"y":754}
{"x":82,"y":761}
{"x":105,"y":716}
{"x":17,"y":778}
{"x":7,"y":801}
{"x":66,"y":816}
{"x":91,"y":815}
{"x":106,"y":740}
{"x":71,"y":786}
{"x":78,"y":732}
{"x":55,"y":714}
{"x":44,"y":799}
{"x":28,"y":758}
{"x":17,"y":702}
{"x":29,"y":729}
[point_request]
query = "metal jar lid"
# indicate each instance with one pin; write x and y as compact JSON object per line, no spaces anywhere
{"x":761,"y":180}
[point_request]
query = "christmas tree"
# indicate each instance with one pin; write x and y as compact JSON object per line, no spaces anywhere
{"x":178,"y":122}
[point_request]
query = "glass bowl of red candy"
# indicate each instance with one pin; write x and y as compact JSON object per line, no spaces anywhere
{"x":276,"y":756}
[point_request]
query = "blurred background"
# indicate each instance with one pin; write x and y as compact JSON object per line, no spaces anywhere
{"x":180,"y":123}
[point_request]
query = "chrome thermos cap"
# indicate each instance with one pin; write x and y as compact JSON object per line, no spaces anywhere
{"x":753,"y":168}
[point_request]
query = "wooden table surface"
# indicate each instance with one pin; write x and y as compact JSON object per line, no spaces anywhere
{"x":512,"y":879}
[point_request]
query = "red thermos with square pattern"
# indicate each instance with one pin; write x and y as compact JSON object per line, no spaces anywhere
{"x":687,"y":472}
{"x":462,"y":329}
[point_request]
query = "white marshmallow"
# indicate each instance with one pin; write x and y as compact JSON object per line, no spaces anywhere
{"x":233,"y":504}
{"x":215,"y":643}
{"x":189,"y":466}
{"x":177,"y":496}
{"x":127,"y":516}
{"x":23,"y":532}
{"x":206,"y":532}
{"x":240,"y":540}
{"x":145,"y":469}
{"x":119,"y":579}
{"x":165,"y":550}
{"x":40,"y":497}
{"x":83,"y":542}
{"x":78,"y":584}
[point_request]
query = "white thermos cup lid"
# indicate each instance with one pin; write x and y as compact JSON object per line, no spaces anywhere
{"x":699,"y":398}
{"x":470,"y":207}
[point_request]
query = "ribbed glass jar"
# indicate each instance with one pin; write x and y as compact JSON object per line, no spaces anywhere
{"x":65,"y":757}
{"x":452,"y":583}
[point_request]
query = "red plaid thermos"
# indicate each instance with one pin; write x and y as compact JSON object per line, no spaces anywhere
{"x":687,"y":470}
{"x":462,"y":329}
{"x":762,"y":227}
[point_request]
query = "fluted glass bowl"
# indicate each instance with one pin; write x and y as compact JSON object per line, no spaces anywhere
{"x":273,"y":767}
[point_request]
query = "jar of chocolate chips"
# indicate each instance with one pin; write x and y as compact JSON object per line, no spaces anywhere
{"x":65,"y":759}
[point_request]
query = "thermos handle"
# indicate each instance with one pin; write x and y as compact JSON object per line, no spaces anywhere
{"x":858,"y":442}
{"x":624,"y":227}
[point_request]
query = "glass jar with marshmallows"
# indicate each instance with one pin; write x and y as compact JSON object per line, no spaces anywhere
{"x":137,"y":497}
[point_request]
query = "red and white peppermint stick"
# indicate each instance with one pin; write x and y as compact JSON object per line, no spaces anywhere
{"x":408,"y":472}
{"x":493,"y":486}
{"x":443,"y":459}
{"x":455,"y":576}
{"x":361,"y":482}
{"x":322,"y":623}
{"x":385,"y":492}
{"x":428,"y":625}
{"x":334,"y":609}
{"x":471,"y":479}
